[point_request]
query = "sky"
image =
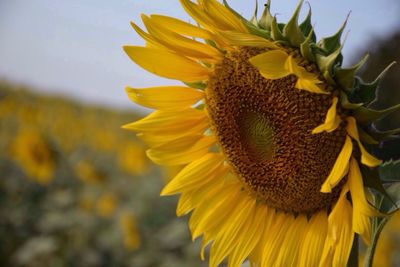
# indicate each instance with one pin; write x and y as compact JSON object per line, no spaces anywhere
{"x":74,"y":47}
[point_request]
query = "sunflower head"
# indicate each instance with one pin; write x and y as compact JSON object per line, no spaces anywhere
{"x":274,"y":135}
{"x":34,"y":154}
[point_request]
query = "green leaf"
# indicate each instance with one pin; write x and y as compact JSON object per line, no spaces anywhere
{"x":346,"y":76}
{"x":332,"y":43}
{"x":366,"y":92}
{"x":365,"y":115}
{"x":292,"y":31}
{"x":390,"y":171}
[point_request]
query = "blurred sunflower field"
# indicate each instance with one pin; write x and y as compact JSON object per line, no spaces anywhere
{"x":77,"y":190}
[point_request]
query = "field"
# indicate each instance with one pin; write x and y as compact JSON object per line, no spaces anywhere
{"x":77,"y":190}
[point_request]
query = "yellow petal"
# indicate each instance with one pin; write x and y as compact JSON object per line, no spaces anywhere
{"x":213,"y":211}
{"x":181,"y":27}
{"x":181,"y":151}
{"x":147,"y":37}
{"x":184,"y":204}
{"x":306,"y":80}
{"x":271,"y":64}
{"x":167,"y":64}
{"x":194,"y":174}
{"x":340,"y":168}
{"x":194,"y":198}
{"x":246,"y":39}
{"x":340,"y":234}
{"x":225,"y":240}
{"x":180,"y":44}
{"x":160,"y":138}
{"x":277,"y":233}
{"x":191,"y":199}
{"x":223,"y":18}
{"x":332,"y":120}
{"x":314,"y":240}
{"x":289,"y":252}
{"x":366,"y":158}
{"x":248,"y":237}
{"x":198,"y":14}
{"x":362,"y":210}
{"x":255,"y":256}
{"x":292,"y":67}
{"x":168,"y":121}
{"x":165,"y":97}
{"x":276,"y":64}
{"x":310,"y":85}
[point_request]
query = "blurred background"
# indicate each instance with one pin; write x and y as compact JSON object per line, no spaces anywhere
{"x":76,"y":189}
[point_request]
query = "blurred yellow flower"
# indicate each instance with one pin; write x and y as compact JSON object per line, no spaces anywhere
{"x":86,"y":203}
{"x":132,"y":158}
{"x":88,"y":173}
{"x":129,"y":231}
{"x":386,"y":248}
{"x":106,"y":205}
{"x":32,"y":152}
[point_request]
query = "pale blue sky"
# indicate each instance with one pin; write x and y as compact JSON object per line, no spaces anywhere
{"x":73,"y":47}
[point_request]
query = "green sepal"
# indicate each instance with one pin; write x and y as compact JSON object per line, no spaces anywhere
{"x":212,"y":43}
{"x":381,"y":135}
{"x":346,"y":76}
{"x":393,"y":191}
{"x":198,"y":85}
{"x":345,"y":103}
{"x":251,"y":27}
{"x":328,"y":77}
{"x":326,"y":63}
{"x":366,"y":137}
{"x":366,"y":92}
{"x":332,"y":43}
{"x":307,"y":28}
{"x":292,"y":31}
{"x":259,"y":32}
{"x":233,"y":11}
{"x":306,"y":48}
{"x":372,"y":180}
{"x":253,"y":19}
{"x":389,"y":171}
{"x":387,"y":203}
{"x":276,"y":32}
{"x":365,"y":115}
{"x":266,"y":19}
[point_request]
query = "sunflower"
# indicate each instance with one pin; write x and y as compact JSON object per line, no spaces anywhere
{"x":273,"y":134}
{"x":34,"y":154}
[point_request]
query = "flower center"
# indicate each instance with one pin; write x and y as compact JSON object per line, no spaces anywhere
{"x":264,"y":129}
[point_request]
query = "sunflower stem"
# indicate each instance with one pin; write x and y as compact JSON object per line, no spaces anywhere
{"x":353,"y":260}
{"x":369,"y":257}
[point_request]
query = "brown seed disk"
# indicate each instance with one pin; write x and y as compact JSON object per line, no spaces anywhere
{"x":264,"y":129}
